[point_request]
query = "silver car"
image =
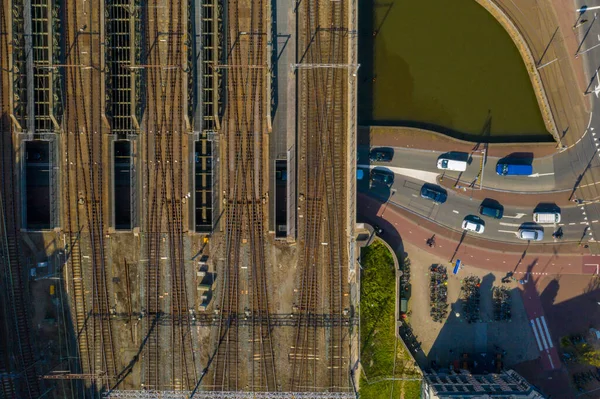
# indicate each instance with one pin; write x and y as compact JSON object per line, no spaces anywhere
{"x":474,"y":224}
{"x":531,"y":234}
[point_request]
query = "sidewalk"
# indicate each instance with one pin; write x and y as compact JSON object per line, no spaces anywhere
{"x":539,"y":259}
{"x":409,"y":137}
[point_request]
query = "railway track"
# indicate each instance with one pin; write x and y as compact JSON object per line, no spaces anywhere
{"x":152,"y":358}
{"x":165,"y":175}
{"x":323,"y":248}
{"x":84,"y":202}
{"x":246,"y":203}
{"x":264,"y":376}
{"x":15,"y":315}
{"x":227,"y":358}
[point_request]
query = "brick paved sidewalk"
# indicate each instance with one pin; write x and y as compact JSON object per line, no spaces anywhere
{"x":418,"y":138}
{"x":538,"y":259}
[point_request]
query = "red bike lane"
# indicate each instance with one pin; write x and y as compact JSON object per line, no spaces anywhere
{"x":484,"y":254}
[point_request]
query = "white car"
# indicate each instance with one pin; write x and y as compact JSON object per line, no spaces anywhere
{"x":451,"y":164}
{"x":472,"y":224}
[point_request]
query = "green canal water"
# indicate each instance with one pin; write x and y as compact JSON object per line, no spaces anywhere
{"x":446,"y":65}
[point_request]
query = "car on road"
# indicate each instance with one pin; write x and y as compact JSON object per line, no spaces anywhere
{"x":508,"y":169}
{"x":434,"y":193}
{"x":452,"y":164}
{"x":382,"y":177}
{"x":491,"y":211}
{"x":474,"y":224}
{"x":546,"y":217}
{"x":381,"y":154}
{"x":530,"y":234}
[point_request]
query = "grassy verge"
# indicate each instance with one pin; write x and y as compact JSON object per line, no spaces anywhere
{"x":382,"y":355}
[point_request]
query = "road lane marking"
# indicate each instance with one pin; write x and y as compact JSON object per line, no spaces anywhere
{"x":541,"y":174}
{"x":551,"y":362}
{"x":507,"y":231}
{"x":517,"y":216}
{"x":510,"y":224}
{"x":543,"y":318}
{"x":537,"y":338}
{"x":429,"y":177}
{"x":572,"y":224}
{"x":454,"y":211}
{"x":539,"y":325}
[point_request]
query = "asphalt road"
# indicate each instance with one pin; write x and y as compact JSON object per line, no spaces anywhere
{"x":543,"y":178}
{"x":405,"y":192}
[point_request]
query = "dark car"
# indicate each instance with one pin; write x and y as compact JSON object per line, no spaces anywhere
{"x":382,"y":177}
{"x":495,"y":212}
{"x":381,"y":154}
{"x":434,"y":193}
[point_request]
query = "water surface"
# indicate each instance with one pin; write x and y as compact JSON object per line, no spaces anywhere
{"x":446,"y":65}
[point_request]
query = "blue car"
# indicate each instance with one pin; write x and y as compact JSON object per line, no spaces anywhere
{"x":507,"y":169}
{"x":434,"y":193}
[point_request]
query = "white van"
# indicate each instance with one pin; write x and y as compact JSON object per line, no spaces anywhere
{"x":546,"y":217}
{"x":451,"y":164}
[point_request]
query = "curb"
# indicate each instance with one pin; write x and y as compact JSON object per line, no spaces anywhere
{"x":519,"y":39}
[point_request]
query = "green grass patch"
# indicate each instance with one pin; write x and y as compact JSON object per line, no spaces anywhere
{"x":380,"y":349}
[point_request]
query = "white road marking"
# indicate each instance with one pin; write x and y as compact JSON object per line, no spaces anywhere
{"x":541,"y":174}
{"x":543,"y":318}
{"x":537,"y":337}
{"x":539,"y":325}
{"x":415,"y":195}
{"x":590,"y":122}
{"x":551,"y":362}
{"x":429,"y":177}
{"x":510,"y":224}
{"x":454,"y":211}
{"x":572,"y":224}
{"x":507,"y":231}
{"x":517,"y":216}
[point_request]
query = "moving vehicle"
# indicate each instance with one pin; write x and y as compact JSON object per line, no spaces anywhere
{"x":474,"y":224}
{"x":546,"y":217}
{"x":508,"y":169}
{"x":381,"y":154}
{"x":434,"y":193}
{"x":530,"y":234}
{"x":491,"y":211}
{"x":451,"y":164}
{"x":382,"y":177}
